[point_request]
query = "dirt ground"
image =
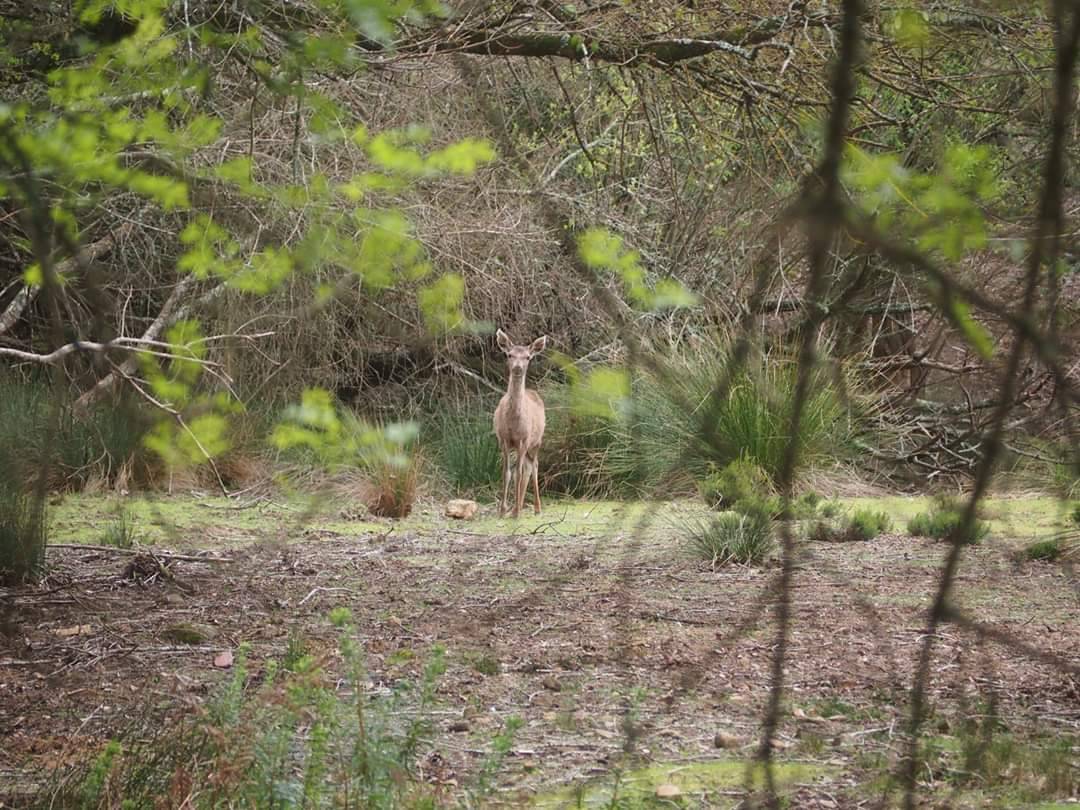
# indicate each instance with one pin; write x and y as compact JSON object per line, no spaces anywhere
{"x":564,"y":624}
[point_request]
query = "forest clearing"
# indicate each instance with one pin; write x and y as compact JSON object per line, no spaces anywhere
{"x":562,"y":621}
{"x":307,"y":307}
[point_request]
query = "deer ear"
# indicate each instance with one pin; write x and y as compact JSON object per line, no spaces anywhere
{"x":538,"y":344}
{"x":503,"y":340}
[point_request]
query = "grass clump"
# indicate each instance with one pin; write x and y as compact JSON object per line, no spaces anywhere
{"x":859,"y":527}
{"x":464,"y":448}
{"x":674,"y":432}
{"x":866,"y":524}
{"x":120,"y":532}
{"x":22,"y":533}
{"x":731,"y":537}
{"x":741,"y":480}
{"x":943,"y":520}
{"x":1044,"y":550}
{"x":37,"y":427}
{"x":987,"y":754}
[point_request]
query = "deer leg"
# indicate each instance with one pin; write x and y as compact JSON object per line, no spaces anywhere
{"x":534,"y":462}
{"x":506,"y":482}
{"x":521,"y":483}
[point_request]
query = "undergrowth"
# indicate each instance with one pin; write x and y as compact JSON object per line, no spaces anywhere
{"x":943,"y":520}
{"x":301,"y":739}
{"x":38,"y":427}
{"x":673,"y":433}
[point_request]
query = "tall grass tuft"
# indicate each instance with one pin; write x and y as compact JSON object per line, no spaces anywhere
{"x":22,"y":533}
{"x":671,"y":434}
{"x":104,"y":445}
{"x":730,"y":537}
{"x":464,"y":448}
{"x":943,"y":520}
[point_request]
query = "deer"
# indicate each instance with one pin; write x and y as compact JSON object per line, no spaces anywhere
{"x":519,"y":424}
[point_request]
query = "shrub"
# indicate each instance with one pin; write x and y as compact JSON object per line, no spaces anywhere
{"x":752,"y":421}
{"x":861,"y":526}
{"x":731,"y":538}
{"x":942,"y":521}
{"x":386,"y":459}
{"x":674,"y":432}
{"x":766,"y":507}
{"x":831,"y":509}
{"x":390,"y":489}
{"x":104,"y":444}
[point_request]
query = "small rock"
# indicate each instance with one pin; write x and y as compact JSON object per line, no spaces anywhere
{"x":461,"y":509}
{"x":667,"y":791}
{"x":77,"y":630}
{"x":725,"y":740}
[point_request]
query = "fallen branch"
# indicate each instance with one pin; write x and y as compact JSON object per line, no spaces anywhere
{"x":165,"y":555}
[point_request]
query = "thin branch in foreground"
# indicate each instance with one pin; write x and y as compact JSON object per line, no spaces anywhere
{"x":1044,"y":248}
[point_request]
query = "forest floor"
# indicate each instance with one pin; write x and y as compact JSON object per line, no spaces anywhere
{"x":630,"y":663}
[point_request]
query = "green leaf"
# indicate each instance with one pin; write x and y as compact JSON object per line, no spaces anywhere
{"x":604,"y":393}
{"x":910,"y":28}
{"x":671,"y":294}
{"x":440,"y":303}
{"x":463,"y":157}
{"x":974,"y":333}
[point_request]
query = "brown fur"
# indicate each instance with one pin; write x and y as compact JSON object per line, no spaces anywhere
{"x":519,"y":425}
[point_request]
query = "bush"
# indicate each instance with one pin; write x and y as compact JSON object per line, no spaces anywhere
{"x":942,"y":521}
{"x":104,"y":444}
{"x":463,"y":446}
{"x":385,"y":458}
{"x":751,"y":422}
{"x":390,"y":489}
{"x":731,"y":538}
{"x":831,"y":509}
{"x":861,"y":526}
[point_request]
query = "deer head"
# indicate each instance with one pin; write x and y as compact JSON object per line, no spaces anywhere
{"x":518,"y":357}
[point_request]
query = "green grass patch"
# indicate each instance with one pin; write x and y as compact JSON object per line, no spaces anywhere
{"x":699,"y":784}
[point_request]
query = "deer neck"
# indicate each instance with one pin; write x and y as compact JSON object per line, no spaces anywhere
{"x":516,"y":394}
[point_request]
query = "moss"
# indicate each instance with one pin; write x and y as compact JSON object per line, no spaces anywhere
{"x":710,"y":782}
